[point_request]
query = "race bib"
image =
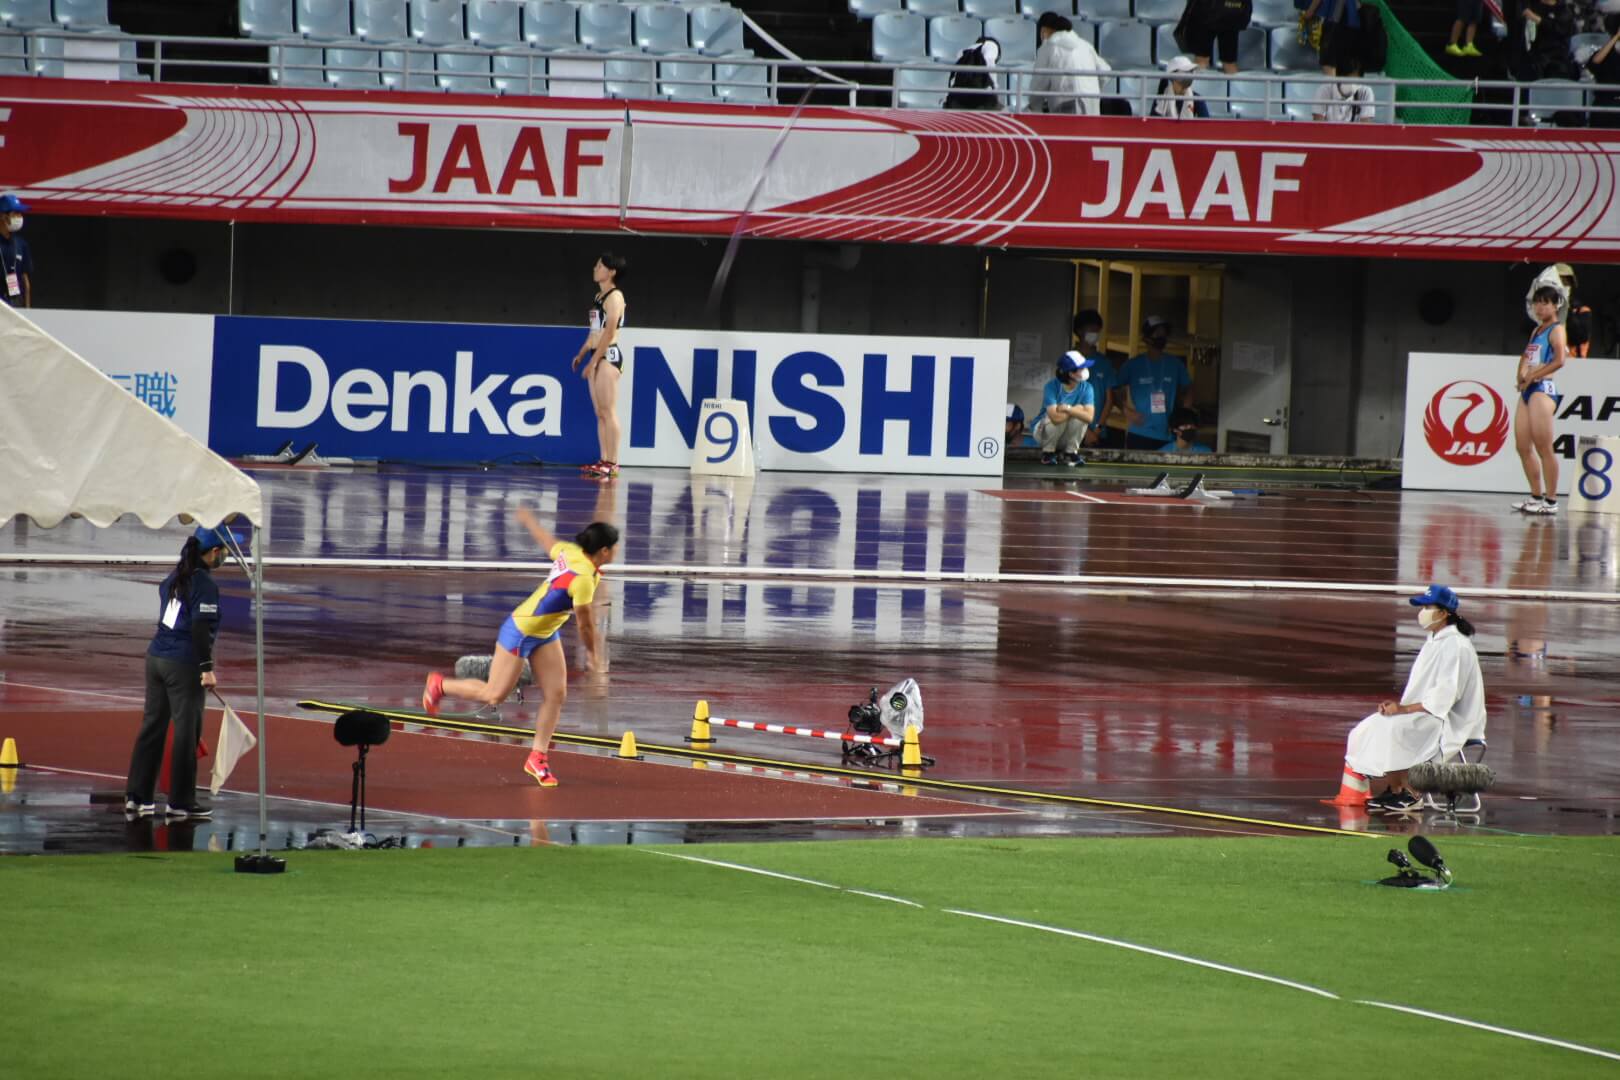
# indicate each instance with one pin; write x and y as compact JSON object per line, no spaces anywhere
{"x":13,"y":285}
{"x":596,"y":319}
{"x":171,"y":614}
{"x":1156,"y":401}
{"x":1532,"y":354}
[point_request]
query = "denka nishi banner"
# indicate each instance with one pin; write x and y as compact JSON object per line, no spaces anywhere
{"x":1459,"y":419}
{"x":254,"y":153}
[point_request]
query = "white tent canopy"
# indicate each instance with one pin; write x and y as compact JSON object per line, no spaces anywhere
{"x":72,"y":441}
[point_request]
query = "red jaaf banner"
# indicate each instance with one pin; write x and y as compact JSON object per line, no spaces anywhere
{"x":851,"y":175}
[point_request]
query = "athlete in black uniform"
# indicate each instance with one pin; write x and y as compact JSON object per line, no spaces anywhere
{"x":606,"y":361}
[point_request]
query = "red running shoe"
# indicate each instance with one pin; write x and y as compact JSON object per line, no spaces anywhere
{"x":540,"y":769}
{"x":433,"y":693}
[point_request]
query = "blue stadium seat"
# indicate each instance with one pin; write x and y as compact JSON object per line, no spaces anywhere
{"x":868,"y":9}
{"x":381,"y":20}
{"x":265,"y":18}
{"x":1298,"y":99}
{"x":716,"y":29}
{"x":1249,"y":98}
{"x":928,"y":9}
{"x":13,"y":53}
{"x":26,"y":14}
{"x":1583,"y":45}
{"x":1164,"y":43}
{"x":1104,"y":10}
{"x":921,"y":88}
{"x":310,"y":69}
{"x":948,"y":35}
{"x":324,"y":20}
{"x":1287,"y":54}
{"x":1036,"y":8}
{"x":353,"y":69}
{"x":629,"y":75}
{"x":1016,"y":36}
{"x":1085,"y":28}
{"x":85,"y":14}
{"x":660,"y":28}
{"x":550,"y":24}
{"x":1251,"y":49}
{"x":743,"y":84}
{"x":689,"y":80}
{"x":1158,"y":11}
{"x":1548,"y":97}
{"x":438,"y":22}
{"x":493,"y":22}
{"x":464,"y":73}
{"x":899,"y":35}
{"x":1384,"y":95}
{"x":1214,"y":92}
{"x":1133,"y":88}
{"x":419,"y":76}
{"x":1127,"y":46}
{"x":607,"y":26}
{"x":990,"y":9}
{"x":1270,"y":13}
{"x":520,"y":71}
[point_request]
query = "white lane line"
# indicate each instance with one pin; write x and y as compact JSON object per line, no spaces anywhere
{"x":1151,"y":952}
{"x":885,"y":896}
{"x":747,"y":869}
{"x":1083,"y":495}
{"x":1577,"y":1047}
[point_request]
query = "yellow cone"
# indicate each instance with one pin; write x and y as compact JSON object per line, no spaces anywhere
{"x":911,"y":749}
{"x":8,"y":754}
{"x":700,"y":724}
{"x":627,"y":747}
{"x":8,"y":781}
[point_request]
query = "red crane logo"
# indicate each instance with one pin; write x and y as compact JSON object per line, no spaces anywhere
{"x":1474,"y":434}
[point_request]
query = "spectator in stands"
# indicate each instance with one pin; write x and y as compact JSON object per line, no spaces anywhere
{"x":1345,"y":101}
{"x":1604,"y":64}
{"x":1150,"y":386}
{"x":1017,"y":434}
{"x":1067,"y":409}
{"x":1217,"y":22}
{"x":1341,"y":34}
{"x":1550,"y":24}
{"x":975,"y":89}
{"x":1469,"y":12}
{"x":1088,"y":327}
{"x":1176,"y":99}
{"x":16,"y":260}
{"x":1066,"y":70}
{"x":1578,"y":320}
{"x":1184,"y":428}
{"x":1310,"y":22}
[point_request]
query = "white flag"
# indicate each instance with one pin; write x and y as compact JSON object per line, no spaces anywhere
{"x":234,"y":740}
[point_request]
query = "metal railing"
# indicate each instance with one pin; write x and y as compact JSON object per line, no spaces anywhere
{"x":522,"y":69}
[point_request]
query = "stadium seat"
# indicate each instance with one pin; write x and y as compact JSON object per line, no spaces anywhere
{"x":408,"y":71}
{"x":989,"y":9}
{"x":354,"y":69}
{"x":550,"y":24}
{"x":607,"y":27}
{"x":1126,"y":46}
{"x":1160,"y":11}
{"x":438,"y":22}
{"x":1583,"y":45}
{"x":1249,"y":98}
{"x":744,"y":84}
{"x":86,"y":14}
{"x":464,"y":72}
{"x":1164,"y":43}
{"x":1132,"y":88}
{"x":128,"y":69}
{"x":1085,"y":28}
{"x":26,"y":14}
{"x":899,"y":35}
{"x":1016,"y":35}
{"x":929,"y":9}
{"x":324,"y":20}
{"x":689,"y":80}
{"x":1036,"y":8}
{"x":1384,"y":95}
{"x":1104,"y":10}
{"x":716,"y":29}
{"x":1252,"y":49}
{"x":630,"y":75}
{"x":520,"y":71}
{"x":869,"y":9}
{"x":1287,"y":54}
{"x":1270,"y":13}
{"x":948,"y":35}
{"x":380,"y":20}
{"x":660,"y":28}
{"x":264,"y":18}
{"x":310,"y":69}
{"x":1548,"y":97}
{"x":493,"y":22}
{"x":1214,"y":92}
{"x":13,"y":53}
{"x":1298,"y":99}
{"x":923,"y":88}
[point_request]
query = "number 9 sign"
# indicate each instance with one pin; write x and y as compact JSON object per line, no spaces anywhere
{"x":723,"y":446}
{"x":711,"y":435}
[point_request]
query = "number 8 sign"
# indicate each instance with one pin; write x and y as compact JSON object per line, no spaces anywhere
{"x":724,"y":445}
{"x":1595,"y":485}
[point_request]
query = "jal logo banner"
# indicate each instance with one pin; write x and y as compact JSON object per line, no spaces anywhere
{"x":400,"y":391}
{"x":1460,"y":413}
{"x":835,"y":403}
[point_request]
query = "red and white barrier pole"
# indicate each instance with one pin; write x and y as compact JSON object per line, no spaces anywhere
{"x":809,"y":733}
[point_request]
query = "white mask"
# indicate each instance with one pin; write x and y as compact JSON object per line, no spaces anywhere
{"x":1090,"y":337}
{"x":1085,"y":374}
{"x":1430,"y":617}
{"x":14,"y":222}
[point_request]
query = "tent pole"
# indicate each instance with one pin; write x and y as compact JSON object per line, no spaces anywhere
{"x":260,"y":538}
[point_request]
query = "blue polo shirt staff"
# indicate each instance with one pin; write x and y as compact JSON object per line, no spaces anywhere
{"x":1151,"y":386}
{"x":1068,"y":406}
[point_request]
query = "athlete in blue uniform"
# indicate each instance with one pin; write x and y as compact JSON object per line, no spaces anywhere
{"x":1538,"y":404}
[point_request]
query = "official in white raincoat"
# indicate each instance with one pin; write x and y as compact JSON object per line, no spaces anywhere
{"x":1442,"y":707}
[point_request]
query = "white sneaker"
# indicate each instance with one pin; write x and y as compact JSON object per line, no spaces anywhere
{"x":1528,"y":506}
{"x":1545,"y":507}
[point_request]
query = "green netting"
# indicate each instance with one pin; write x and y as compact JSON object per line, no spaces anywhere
{"x":1409,"y":60}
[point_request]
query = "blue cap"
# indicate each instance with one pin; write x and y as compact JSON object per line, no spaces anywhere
{"x":1014,"y":412}
{"x":1436,"y":596}
{"x":10,"y":204}
{"x":1073,"y":361}
{"x":209,"y":538}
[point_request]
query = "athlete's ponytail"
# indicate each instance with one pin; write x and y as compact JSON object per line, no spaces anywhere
{"x":191,"y":560}
{"x":1464,"y":627}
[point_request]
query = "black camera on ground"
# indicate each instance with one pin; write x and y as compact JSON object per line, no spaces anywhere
{"x":867,"y":718}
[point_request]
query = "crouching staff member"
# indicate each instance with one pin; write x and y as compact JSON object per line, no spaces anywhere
{"x":1443,"y":705}
{"x":179,"y":670}
{"x":1068,"y":406}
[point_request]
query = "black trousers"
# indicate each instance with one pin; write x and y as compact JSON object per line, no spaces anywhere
{"x":174,"y":693}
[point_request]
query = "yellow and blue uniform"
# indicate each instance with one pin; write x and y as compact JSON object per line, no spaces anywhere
{"x":537,"y":620}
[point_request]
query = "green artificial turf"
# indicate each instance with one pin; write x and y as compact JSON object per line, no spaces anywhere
{"x":618,"y":962}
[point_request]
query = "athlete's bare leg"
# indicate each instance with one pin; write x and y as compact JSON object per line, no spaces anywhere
{"x":605,"y":397}
{"x":551,"y":673}
{"x":1542,"y":409}
{"x":504,"y":668}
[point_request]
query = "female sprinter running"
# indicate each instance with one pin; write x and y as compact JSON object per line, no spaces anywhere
{"x":606,"y":362}
{"x":534,"y":628}
{"x":1538,"y":402}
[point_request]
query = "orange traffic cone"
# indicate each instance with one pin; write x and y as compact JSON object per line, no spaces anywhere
{"x":1354,"y":790}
